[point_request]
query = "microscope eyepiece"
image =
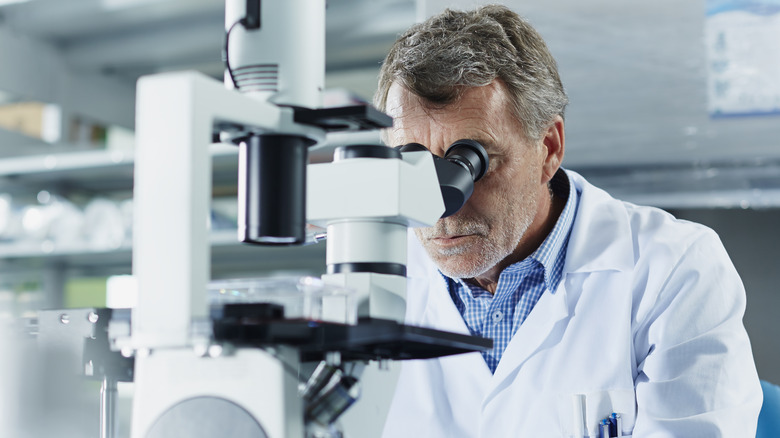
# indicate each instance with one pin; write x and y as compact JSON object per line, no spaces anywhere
{"x":464,"y":163}
{"x":469,"y":154}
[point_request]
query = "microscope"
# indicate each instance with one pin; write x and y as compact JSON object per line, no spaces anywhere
{"x":205,"y":370}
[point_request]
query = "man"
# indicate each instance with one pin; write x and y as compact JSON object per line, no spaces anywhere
{"x":595,"y":306}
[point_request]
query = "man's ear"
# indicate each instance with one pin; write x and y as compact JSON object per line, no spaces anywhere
{"x":553,"y":143}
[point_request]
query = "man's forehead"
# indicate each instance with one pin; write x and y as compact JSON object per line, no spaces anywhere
{"x":401,"y":101}
{"x":477,"y":106}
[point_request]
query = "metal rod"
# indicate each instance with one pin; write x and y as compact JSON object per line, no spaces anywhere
{"x":108,"y":398}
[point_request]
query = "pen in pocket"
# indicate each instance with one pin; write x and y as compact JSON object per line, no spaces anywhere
{"x":611,"y":426}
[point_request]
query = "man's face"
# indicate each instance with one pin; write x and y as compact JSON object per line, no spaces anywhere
{"x":486,"y":232}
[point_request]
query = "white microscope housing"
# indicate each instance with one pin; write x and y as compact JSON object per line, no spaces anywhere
{"x":239,"y":375}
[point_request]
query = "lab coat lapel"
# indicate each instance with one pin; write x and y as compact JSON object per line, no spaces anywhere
{"x":439,"y":312}
{"x":595,"y":244}
{"x":442,"y":314}
{"x":532,"y":334}
{"x":599,"y":239}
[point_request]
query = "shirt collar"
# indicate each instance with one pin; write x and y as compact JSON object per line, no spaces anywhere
{"x":551,"y":254}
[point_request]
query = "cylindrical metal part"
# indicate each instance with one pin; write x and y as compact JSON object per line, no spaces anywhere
{"x":350,"y":152}
{"x":108,"y":399}
{"x":335,"y":399}
{"x":318,"y":380}
{"x":282,"y":61}
{"x":354,"y":241}
{"x":272,"y":189}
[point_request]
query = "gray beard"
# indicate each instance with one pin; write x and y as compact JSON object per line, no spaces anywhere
{"x":490,"y":250}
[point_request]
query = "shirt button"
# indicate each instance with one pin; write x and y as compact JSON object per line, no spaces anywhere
{"x":498,"y":316}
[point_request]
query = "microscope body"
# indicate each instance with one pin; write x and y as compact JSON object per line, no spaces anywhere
{"x":367,"y":204}
{"x":239,"y":374}
{"x":186,"y":382}
{"x":180,"y":382}
{"x":201,"y":369}
{"x":245,"y":393}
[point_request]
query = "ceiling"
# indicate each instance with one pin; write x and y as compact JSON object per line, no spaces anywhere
{"x":636,"y":74}
{"x":130,"y":38}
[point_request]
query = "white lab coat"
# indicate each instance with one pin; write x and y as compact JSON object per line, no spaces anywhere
{"x":646,"y":322}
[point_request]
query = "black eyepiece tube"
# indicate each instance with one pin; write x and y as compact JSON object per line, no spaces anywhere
{"x":471,"y":155}
{"x":464,"y":162}
{"x":411,"y":147}
{"x":272,"y":189}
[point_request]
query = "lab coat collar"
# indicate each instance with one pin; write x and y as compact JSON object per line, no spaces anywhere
{"x":600,"y":236}
{"x":531,"y":335}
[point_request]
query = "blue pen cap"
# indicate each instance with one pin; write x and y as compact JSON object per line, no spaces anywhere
{"x":604,"y":428}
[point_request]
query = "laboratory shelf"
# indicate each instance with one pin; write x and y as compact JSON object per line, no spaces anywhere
{"x":47,"y":249}
{"x":96,"y":170}
{"x":67,"y":163}
{"x":108,"y":170}
{"x":227,"y":255}
{"x":63,"y":163}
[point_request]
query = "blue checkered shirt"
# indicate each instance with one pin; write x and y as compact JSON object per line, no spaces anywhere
{"x":520,"y":285}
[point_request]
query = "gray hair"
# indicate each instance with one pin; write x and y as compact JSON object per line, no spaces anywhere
{"x":440,"y":58}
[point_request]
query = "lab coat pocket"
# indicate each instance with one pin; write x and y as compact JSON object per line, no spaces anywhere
{"x":580,"y":414}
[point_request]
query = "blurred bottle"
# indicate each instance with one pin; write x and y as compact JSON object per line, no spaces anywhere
{"x":105,"y":224}
{"x":10,"y":218}
{"x":55,"y":219}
